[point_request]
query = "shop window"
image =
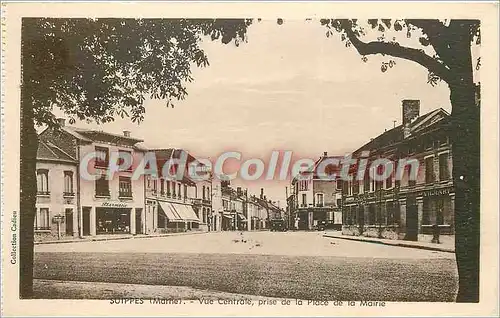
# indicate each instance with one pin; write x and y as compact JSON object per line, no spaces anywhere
{"x":426,"y":212}
{"x":304,"y":199}
{"x":102,"y":186}
{"x":68,"y":183}
{"x":42,"y":219}
{"x":42,"y":181}
{"x":102,"y":157}
{"x":125,"y":187}
{"x":366,"y":183}
{"x":389,"y":207}
{"x":444,"y":171}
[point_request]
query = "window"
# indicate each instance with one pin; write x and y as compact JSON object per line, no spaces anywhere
{"x":388,"y":182}
{"x":366,"y":183}
{"x":203,"y":193}
{"x":304,"y":199}
{"x":339,"y":203}
{"x":426,"y":212}
{"x":444,"y":171}
{"x":125,"y":154}
{"x":173,"y":189}
{"x":68,"y":183}
{"x":42,"y":181}
{"x":155,"y":185}
{"x":179,"y":190}
{"x":412,"y":176}
{"x":208,"y":193}
{"x":102,"y":186}
{"x":102,"y":157}
{"x":355,"y":187}
{"x":303,"y":185}
{"x":338,"y":184}
{"x":168,"y":188}
{"x":125,"y":187}
{"x":320,"y":200}
{"x":42,"y":219}
{"x":185,"y":191}
{"x":162,"y":186}
{"x":429,"y":170}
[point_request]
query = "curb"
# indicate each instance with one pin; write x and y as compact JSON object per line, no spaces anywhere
{"x":97,"y":239}
{"x":398,"y":244}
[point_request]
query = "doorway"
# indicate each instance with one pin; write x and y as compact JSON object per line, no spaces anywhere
{"x":138,"y":221}
{"x":86,"y":221}
{"x":68,"y":217}
{"x":411,"y":220}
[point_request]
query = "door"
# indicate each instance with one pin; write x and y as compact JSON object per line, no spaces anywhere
{"x":68,"y":217}
{"x":411,"y":220}
{"x":138,"y":221}
{"x":86,"y":221}
{"x":361,"y":218}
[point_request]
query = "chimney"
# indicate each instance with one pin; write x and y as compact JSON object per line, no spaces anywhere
{"x":238,"y":191}
{"x":325,"y":154}
{"x":411,"y":110}
{"x":261,"y":193}
{"x":126,"y":133}
{"x":61,"y":122}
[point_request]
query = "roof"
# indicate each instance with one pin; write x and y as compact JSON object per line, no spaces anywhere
{"x":395,"y":134}
{"x":50,"y":152}
{"x":90,"y":135}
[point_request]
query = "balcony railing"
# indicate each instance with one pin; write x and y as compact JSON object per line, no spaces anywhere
{"x":68,"y":194}
{"x":125,"y":195}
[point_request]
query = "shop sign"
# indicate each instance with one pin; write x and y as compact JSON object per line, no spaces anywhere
{"x":436,"y":192}
{"x":114,"y":204}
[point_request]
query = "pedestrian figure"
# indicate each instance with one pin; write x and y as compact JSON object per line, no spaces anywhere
{"x":435,"y":233}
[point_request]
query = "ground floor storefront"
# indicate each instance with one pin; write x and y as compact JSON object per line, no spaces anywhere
{"x":313,"y":218}
{"x":406,"y":216}
{"x":112,"y":220}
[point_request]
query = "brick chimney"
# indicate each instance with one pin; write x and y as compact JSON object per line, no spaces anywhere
{"x":61,"y":122}
{"x":126,"y":133}
{"x":325,"y":154}
{"x":261,"y":193}
{"x":411,"y":111}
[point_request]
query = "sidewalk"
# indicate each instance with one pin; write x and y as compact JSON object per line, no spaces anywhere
{"x":446,"y":245}
{"x":114,"y":237}
{"x":59,"y":289}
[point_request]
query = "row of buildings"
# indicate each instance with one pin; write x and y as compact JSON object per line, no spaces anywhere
{"x":71,"y":205}
{"x":397,"y":207}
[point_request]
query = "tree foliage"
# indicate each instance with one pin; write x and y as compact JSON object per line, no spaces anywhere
{"x":96,"y":69}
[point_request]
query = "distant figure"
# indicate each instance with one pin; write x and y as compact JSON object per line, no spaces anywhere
{"x":435,"y":233}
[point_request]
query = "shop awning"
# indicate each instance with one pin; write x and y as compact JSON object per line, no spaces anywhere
{"x":227,"y":215}
{"x":242,"y":217}
{"x":170,"y":212}
{"x":186,"y":212}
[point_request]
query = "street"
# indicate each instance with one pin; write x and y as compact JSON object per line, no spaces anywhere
{"x":301,"y":265}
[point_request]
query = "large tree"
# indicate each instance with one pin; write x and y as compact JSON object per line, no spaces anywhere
{"x":445,"y":51}
{"x":95,"y":70}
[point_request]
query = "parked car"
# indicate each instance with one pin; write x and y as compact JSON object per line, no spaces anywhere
{"x":278,"y":226}
{"x":321,"y":226}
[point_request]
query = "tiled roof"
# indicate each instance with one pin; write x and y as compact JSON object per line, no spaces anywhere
{"x":93,"y":135}
{"x":48,"y":151}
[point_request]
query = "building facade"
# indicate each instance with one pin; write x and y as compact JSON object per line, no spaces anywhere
{"x":411,"y":202}
{"x":105,"y":203}
{"x":56,"y":203}
{"x":316,"y":199}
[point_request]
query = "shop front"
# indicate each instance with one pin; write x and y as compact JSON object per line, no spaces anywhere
{"x":113,"y":221}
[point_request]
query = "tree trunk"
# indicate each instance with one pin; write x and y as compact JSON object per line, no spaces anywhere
{"x":28,"y":151}
{"x":465,"y":138}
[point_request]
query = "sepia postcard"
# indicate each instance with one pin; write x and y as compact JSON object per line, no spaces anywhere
{"x":250,"y":159}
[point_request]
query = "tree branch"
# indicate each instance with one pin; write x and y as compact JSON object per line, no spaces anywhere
{"x":394,"y":49}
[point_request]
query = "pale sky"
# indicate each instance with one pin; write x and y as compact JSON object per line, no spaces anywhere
{"x":289,"y":88}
